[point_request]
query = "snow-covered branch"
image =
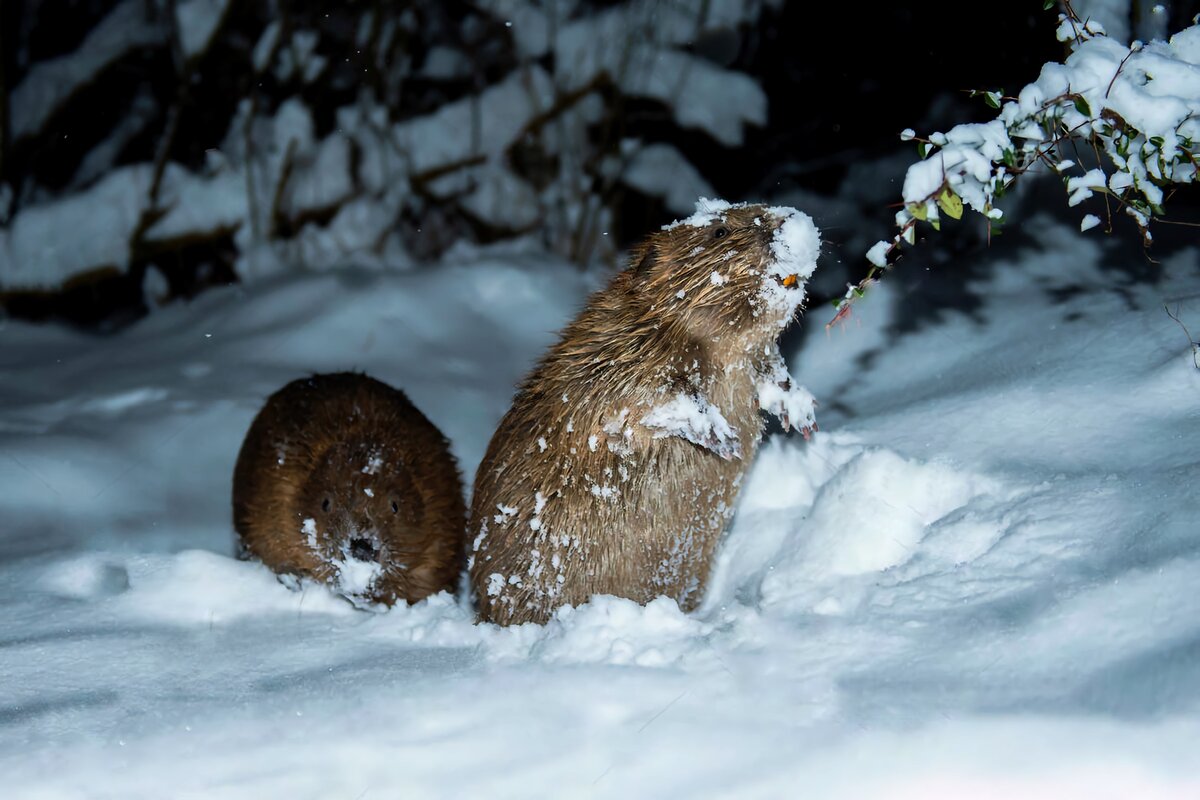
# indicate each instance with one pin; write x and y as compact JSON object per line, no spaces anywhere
{"x":1138,"y":106}
{"x":372,"y":136}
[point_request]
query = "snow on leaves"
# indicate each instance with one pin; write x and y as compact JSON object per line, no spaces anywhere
{"x":1138,"y":104}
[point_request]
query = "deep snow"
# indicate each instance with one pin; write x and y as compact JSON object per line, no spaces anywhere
{"x":978,"y":580}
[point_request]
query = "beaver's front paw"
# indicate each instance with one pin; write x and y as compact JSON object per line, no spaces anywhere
{"x":793,"y":405}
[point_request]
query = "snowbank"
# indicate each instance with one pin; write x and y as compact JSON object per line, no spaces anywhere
{"x":977,"y":581}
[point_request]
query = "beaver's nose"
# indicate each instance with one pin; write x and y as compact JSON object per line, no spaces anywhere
{"x":363,"y":550}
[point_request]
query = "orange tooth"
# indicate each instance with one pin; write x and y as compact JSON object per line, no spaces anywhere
{"x":790,"y":280}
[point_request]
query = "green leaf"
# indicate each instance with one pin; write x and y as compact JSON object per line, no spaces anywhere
{"x":950,"y":203}
{"x":1082,"y":106}
{"x":1010,"y":158}
{"x":1157,"y":141}
{"x":936,"y":223}
{"x":918,"y":211}
{"x":922,"y":149}
{"x":991,"y":99}
{"x":1049,"y":4}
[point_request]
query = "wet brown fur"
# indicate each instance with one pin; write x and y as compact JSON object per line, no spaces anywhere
{"x":555,"y":519}
{"x":309,"y":454}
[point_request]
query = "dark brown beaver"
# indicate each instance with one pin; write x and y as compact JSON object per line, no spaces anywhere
{"x":342,"y":479}
{"x":617,"y":467}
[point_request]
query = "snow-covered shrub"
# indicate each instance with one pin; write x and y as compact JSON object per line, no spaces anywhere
{"x":1134,"y":108}
{"x":277,"y":134}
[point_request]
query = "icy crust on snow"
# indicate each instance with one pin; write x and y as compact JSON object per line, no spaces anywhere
{"x":979,"y":576}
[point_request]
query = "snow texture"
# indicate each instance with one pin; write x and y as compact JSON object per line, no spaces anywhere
{"x":197,"y":21}
{"x":51,"y":82}
{"x":47,"y":244}
{"x":978,"y":579}
{"x":50,"y":243}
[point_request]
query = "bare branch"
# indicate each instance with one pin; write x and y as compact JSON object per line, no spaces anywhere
{"x":1194,"y":344}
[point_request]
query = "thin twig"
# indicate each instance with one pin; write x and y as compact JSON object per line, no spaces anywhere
{"x":1194,"y":344}
{"x":1120,"y":67}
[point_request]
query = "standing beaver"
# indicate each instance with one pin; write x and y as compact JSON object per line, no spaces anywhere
{"x":343,"y":480}
{"x":617,"y":467}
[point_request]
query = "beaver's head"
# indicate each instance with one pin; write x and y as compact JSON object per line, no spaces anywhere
{"x":359,"y":506}
{"x":728,"y":272}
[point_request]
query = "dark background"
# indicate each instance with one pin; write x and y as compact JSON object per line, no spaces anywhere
{"x":842,"y":80}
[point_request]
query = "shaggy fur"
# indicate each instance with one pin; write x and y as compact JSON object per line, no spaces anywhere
{"x":575,"y":496}
{"x":374,"y":476}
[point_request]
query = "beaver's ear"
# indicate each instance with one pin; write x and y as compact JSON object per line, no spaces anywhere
{"x":644,"y":259}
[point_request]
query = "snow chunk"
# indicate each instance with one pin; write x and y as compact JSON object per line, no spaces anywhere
{"x":1080,"y":187}
{"x":356,"y":577}
{"x":796,"y":243}
{"x":309,"y":529}
{"x":707,"y":212}
{"x":877,"y":255}
{"x":1089,"y":221}
{"x":693,"y":418}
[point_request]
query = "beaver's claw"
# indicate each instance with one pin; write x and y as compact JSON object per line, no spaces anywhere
{"x":792,"y":405}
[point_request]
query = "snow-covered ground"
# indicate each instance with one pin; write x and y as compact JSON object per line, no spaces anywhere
{"x":978,"y":580}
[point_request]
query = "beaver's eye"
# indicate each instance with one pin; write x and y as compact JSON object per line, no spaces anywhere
{"x":325,"y":504}
{"x":720,"y":233}
{"x":395,"y":507}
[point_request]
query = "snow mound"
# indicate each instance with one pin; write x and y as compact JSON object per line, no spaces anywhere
{"x":613,"y":630}
{"x":87,"y":578}
{"x":197,"y":586}
{"x":979,"y":576}
{"x":872,"y":515}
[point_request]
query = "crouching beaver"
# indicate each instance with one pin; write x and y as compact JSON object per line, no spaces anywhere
{"x":341,"y":479}
{"x":618,"y":466}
